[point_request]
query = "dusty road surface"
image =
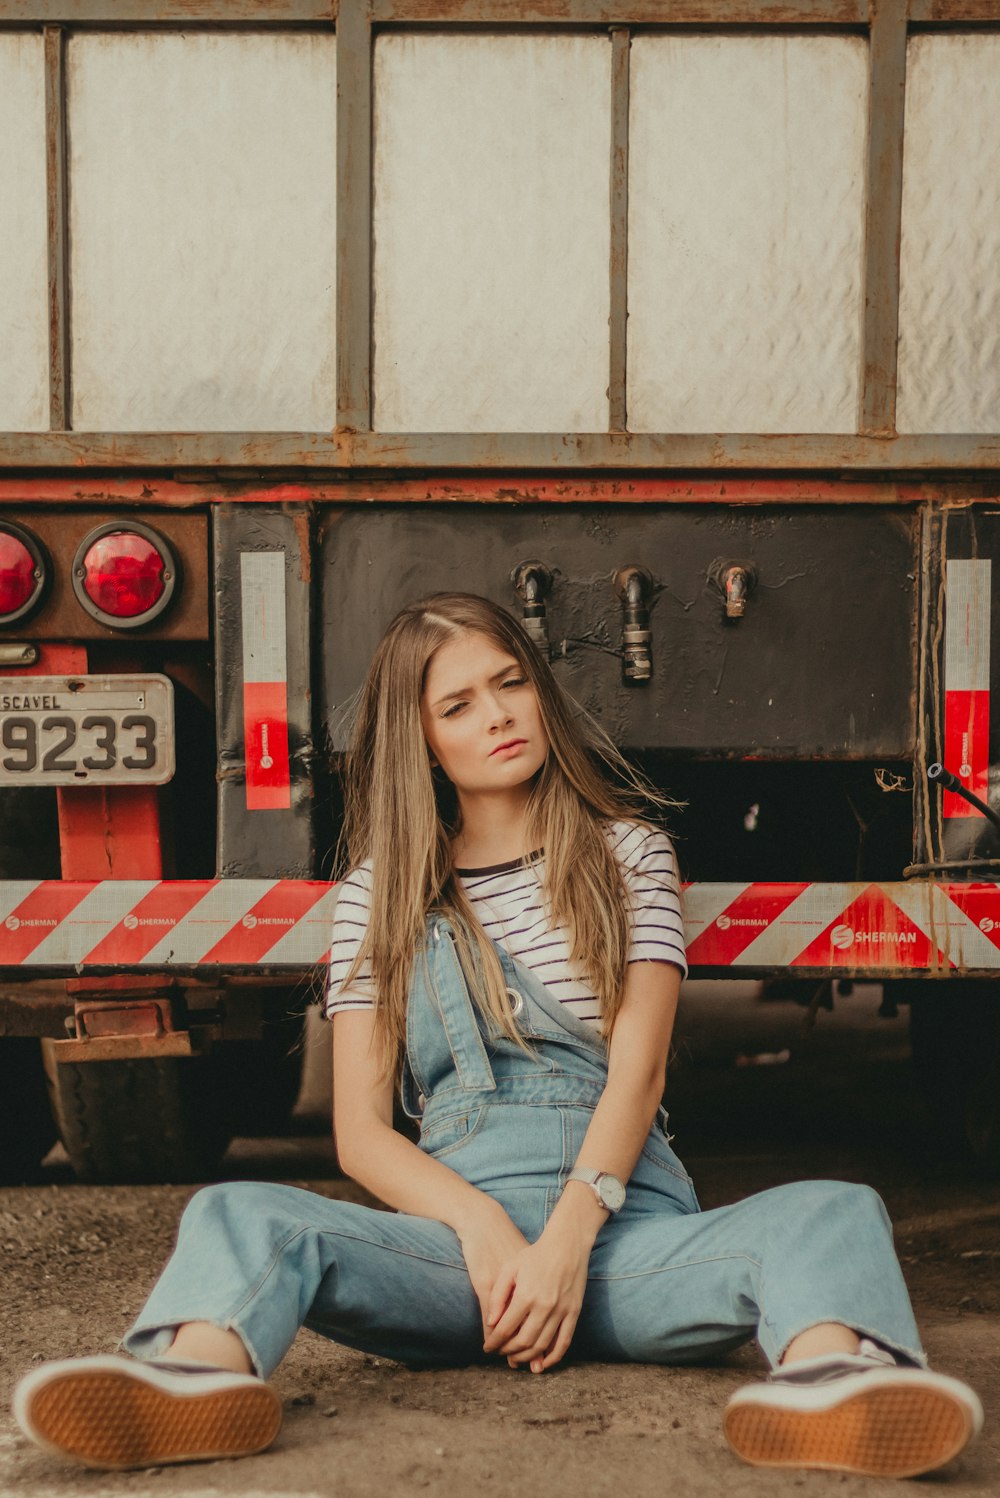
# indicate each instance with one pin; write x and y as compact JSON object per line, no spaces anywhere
{"x":78,"y":1260}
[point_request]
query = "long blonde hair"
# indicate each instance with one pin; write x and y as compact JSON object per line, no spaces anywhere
{"x":402,"y":816}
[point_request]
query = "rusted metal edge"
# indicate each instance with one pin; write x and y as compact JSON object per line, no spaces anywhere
{"x":621,"y":42}
{"x":503,"y":451}
{"x":638,"y":12}
{"x":949,"y":12}
{"x":883,"y":218}
{"x":56,"y":227}
{"x":485,"y":489}
{"x":354,"y":216}
{"x":141,"y":12}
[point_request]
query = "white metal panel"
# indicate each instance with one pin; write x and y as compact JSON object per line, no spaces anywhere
{"x":949,"y":303}
{"x":746,"y":172}
{"x":202,"y":178}
{"x":24,"y":342}
{"x":492,"y":233}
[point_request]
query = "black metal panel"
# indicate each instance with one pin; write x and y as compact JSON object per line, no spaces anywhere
{"x":270,"y":843}
{"x":822,"y":665}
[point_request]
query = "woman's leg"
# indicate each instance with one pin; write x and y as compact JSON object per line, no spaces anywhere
{"x":677,"y":1287}
{"x":252,"y":1264}
{"x":810,"y":1270}
{"x":260,"y":1261}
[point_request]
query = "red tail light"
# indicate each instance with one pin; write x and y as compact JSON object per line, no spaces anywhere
{"x":124,"y":576}
{"x":22,"y":573}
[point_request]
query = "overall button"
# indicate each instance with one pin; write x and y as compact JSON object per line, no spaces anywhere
{"x":516,"y":1001}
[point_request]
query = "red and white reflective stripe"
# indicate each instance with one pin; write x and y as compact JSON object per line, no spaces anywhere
{"x":876,"y":929}
{"x":162,"y":924}
{"x":265,"y":681}
{"x":967,"y":682}
{"x":873,"y":928}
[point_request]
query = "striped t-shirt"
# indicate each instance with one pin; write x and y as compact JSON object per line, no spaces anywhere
{"x":508,"y":901}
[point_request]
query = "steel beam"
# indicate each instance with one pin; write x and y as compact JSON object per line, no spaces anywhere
{"x":251,"y":452}
{"x":883,"y":219}
{"x":618,"y":322}
{"x":154,"y":12}
{"x":354,"y":216}
{"x":56,"y":215}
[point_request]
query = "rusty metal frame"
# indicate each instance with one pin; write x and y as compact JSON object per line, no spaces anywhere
{"x":353,"y":445}
{"x":56,"y":214}
{"x":621,"y":42}
{"x":355,"y":55}
{"x":883,"y":220}
{"x":598,"y":452}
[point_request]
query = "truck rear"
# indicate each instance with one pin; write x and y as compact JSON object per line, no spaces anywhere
{"x":672,"y":329}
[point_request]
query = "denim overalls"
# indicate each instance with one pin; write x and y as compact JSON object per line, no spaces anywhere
{"x":667,"y":1282}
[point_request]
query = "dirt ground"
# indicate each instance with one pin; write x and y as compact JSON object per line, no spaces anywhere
{"x":77,"y":1261}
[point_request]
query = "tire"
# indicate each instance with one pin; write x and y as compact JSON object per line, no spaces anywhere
{"x":27,"y":1128}
{"x":955,"y":1041}
{"x":139,"y":1122}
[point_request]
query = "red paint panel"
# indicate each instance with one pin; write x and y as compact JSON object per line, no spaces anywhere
{"x":871,"y":931}
{"x":981,"y":903}
{"x":966,"y":749}
{"x":265,"y":733}
{"x":37,"y":916}
{"x":268,"y":921}
{"x":149,"y":921}
{"x":741,"y":923}
{"x":110,"y":832}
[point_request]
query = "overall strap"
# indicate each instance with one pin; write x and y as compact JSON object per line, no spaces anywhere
{"x":439,"y":971}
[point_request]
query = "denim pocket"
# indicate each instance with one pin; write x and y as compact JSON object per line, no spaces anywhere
{"x":442,"y":1136}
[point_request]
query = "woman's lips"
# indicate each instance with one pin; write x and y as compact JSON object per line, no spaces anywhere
{"x":510,"y":744}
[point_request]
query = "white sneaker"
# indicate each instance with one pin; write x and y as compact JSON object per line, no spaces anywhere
{"x":113,"y":1412}
{"x":876,"y":1422}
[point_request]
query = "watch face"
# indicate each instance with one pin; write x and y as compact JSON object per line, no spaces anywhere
{"x":612,"y":1192}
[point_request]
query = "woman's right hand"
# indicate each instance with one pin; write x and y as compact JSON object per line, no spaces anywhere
{"x":489,"y":1242}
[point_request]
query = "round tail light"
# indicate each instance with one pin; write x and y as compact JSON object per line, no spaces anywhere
{"x":22,"y":572}
{"x":124,"y":575}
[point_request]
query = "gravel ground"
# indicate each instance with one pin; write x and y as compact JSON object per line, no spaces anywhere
{"x":77,"y":1261}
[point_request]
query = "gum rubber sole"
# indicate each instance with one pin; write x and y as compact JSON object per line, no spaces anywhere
{"x":878,"y":1432}
{"x":110,"y":1419}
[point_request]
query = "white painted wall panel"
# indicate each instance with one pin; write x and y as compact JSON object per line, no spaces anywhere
{"x":949,"y":305}
{"x":24,"y":343}
{"x":202,"y":180}
{"x":491,"y":233}
{"x":746,"y":172}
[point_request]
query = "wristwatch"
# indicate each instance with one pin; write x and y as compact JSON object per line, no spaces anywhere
{"x":607,"y":1188}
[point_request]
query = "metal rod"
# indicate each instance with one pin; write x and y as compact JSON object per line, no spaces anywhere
{"x":57,"y":227}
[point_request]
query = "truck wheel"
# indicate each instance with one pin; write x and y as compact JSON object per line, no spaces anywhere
{"x":955,"y":1040}
{"x":139,"y":1121}
{"x":27,"y":1128}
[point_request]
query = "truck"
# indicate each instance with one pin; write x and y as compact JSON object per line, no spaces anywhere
{"x":669,"y":324}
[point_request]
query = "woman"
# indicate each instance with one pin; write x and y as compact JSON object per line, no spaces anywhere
{"x":508,"y":951}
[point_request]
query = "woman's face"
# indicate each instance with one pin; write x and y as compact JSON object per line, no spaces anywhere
{"x":481,"y":717}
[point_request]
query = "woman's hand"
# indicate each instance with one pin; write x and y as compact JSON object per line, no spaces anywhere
{"x":536,"y":1300}
{"x":489,"y":1244}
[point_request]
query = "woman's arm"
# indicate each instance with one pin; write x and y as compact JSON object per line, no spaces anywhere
{"x":543,"y":1288}
{"x":398,"y":1172}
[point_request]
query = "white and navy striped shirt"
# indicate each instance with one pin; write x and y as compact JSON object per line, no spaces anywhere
{"x":508,"y":901}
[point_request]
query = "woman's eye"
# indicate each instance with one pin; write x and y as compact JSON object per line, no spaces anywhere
{"x":515,"y":681}
{"x":450,"y":712}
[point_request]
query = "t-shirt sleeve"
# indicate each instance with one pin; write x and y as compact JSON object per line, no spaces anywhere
{"x":650,"y":870}
{"x":350,"y":922}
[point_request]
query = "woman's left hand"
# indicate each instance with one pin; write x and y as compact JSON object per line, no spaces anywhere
{"x":536,"y":1301}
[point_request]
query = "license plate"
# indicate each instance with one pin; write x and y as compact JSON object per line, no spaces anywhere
{"x":86,"y":730}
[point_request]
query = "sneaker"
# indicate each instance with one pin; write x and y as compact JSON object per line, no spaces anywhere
{"x":874,"y":1421}
{"x":113,"y":1412}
